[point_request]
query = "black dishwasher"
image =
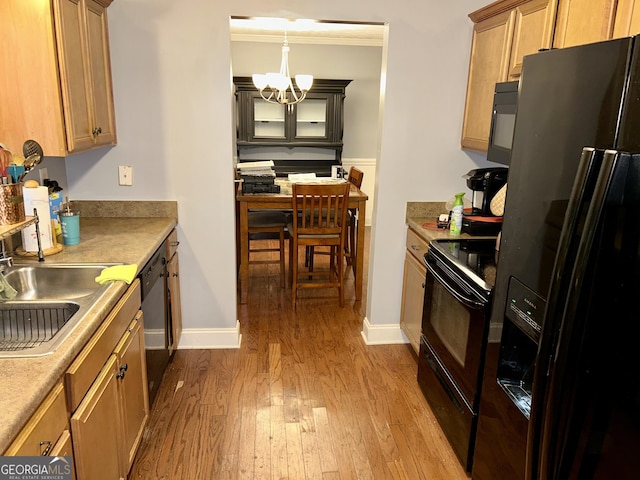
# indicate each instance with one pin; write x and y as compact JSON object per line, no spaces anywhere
{"x":153,"y":279}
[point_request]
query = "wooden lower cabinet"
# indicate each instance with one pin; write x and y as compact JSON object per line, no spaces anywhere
{"x":97,"y":428}
{"x":413,"y":288}
{"x":45,"y":428}
{"x":109,"y":400}
{"x":412,"y":300}
{"x":175,"y":303}
{"x":133,"y":389}
{"x":64,"y":448}
{"x":108,"y":425}
{"x":173,"y":285}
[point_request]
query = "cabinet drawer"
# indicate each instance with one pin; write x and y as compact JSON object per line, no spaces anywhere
{"x":416,"y":245}
{"x":172,"y":243}
{"x":89,"y":362}
{"x":45,"y":426}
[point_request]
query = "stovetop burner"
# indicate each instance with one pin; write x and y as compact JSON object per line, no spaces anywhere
{"x":472,"y":258}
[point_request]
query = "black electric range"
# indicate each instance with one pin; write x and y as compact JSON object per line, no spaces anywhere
{"x":459,"y":282}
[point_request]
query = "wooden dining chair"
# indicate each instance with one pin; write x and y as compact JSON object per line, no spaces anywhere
{"x":355,"y":179}
{"x":267,"y":225}
{"x":319,"y":219}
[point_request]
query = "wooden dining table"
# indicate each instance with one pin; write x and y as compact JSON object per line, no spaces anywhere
{"x":284,"y":201}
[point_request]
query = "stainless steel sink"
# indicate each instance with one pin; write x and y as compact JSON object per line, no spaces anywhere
{"x":52,"y":300}
{"x":54,"y":281}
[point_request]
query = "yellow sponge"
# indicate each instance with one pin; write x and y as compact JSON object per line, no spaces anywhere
{"x":119,"y":272}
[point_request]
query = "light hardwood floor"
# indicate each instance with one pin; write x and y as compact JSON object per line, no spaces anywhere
{"x":302,"y":398}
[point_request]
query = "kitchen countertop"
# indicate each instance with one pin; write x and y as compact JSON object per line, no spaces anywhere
{"x":425,"y":229}
{"x":421,"y":218}
{"x":24,"y":382}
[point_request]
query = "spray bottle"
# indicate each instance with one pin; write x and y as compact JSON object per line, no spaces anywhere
{"x":455,"y":225}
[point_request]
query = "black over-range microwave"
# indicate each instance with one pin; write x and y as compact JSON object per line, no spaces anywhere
{"x":503,"y":121}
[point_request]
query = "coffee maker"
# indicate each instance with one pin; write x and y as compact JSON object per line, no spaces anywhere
{"x":484,"y":184}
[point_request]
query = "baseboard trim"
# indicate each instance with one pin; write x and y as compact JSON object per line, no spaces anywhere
{"x":154,"y":339}
{"x":385,"y":334}
{"x":210,"y":338}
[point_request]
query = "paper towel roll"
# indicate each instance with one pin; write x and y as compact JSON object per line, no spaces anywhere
{"x":37,"y":198}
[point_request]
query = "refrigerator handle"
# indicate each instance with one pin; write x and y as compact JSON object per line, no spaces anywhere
{"x":549,"y":435}
{"x":581,"y":193}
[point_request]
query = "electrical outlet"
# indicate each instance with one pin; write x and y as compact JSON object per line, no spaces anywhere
{"x":125,"y":175}
{"x":44,"y":174}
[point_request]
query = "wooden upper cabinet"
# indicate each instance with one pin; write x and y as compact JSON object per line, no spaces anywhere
{"x":99,"y":61}
{"x":533,"y":30}
{"x":627,"y":19}
{"x":85,"y":73}
{"x":584,"y":21}
{"x":490,"y":52}
{"x":56,"y":86}
{"x":504,"y":32}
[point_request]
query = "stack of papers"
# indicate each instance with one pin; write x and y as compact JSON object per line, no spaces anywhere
{"x":301,"y":177}
{"x":256,"y":169}
{"x":311,"y":178}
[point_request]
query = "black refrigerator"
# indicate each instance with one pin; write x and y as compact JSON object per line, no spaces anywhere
{"x":561,"y":393}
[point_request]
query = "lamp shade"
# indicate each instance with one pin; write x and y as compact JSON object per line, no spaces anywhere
{"x":304,"y":82}
{"x":278,"y":81}
{"x":259,"y":80}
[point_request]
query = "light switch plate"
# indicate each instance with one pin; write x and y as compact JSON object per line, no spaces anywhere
{"x":125,"y":175}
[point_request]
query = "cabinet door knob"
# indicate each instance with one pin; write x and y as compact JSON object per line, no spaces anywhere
{"x":124,"y":367}
{"x":97,"y":131}
{"x":120,"y":374}
{"x":175,"y":274}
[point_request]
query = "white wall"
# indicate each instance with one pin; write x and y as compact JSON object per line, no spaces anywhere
{"x":172,"y":84}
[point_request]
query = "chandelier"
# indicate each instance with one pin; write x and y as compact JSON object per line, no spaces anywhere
{"x":277,"y":84}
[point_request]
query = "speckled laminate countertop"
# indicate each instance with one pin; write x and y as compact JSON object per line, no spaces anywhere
{"x":421,"y":218}
{"x":24,"y":382}
{"x":425,"y":229}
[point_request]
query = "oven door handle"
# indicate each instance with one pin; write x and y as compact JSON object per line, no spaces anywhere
{"x":465,"y":300}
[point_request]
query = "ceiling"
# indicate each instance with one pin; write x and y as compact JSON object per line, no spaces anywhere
{"x":320,"y":32}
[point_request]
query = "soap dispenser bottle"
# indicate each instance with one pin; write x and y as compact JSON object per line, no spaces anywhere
{"x":455,"y":225}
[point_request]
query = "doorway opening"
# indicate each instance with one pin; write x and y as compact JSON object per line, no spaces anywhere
{"x":327,"y":50}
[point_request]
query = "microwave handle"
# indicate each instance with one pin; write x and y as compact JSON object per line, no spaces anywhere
{"x":465,"y":300}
